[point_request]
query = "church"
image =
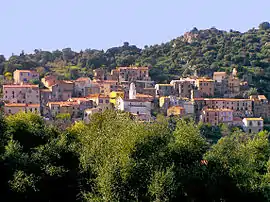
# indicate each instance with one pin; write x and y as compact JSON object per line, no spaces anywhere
{"x":138,"y":107}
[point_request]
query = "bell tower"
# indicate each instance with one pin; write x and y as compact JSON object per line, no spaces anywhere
{"x":132,"y":91}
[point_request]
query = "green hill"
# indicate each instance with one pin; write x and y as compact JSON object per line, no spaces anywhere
{"x":205,"y":51}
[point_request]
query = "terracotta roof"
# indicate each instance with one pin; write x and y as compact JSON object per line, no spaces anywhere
{"x":74,"y":99}
{"x":21,"y":105}
{"x":262,"y":97}
{"x":220,"y":73}
{"x":144,"y":96}
{"x":83,"y":79}
{"x":97,"y":95}
{"x":20,"y":86}
{"x":63,"y":104}
{"x":205,"y":79}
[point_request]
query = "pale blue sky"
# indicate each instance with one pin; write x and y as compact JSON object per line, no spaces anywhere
{"x":100,"y":24}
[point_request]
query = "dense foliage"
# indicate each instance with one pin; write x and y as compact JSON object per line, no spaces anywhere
{"x":115,"y":158}
{"x":202,"y":50}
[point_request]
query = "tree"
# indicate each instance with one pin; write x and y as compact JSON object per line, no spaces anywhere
{"x":238,"y":164}
{"x":264,"y":26}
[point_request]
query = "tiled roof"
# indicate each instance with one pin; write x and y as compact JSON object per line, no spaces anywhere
{"x":83,"y":79}
{"x":62,"y":104}
{"x":262,"y":97}
{"x":144,"y":96}
{"x":97,"y":95}
{"x":205,"y":79}
{"x":21,"y":105}
{"x":220,"y":73}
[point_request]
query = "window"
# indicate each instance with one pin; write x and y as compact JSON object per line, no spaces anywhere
{"x":9,"y":111}
{"x":249,"y":131}
{"x":250,"y":123}
{"x":107,"y":101}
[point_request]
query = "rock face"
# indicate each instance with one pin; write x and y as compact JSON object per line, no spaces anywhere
{"x":189,"y":37}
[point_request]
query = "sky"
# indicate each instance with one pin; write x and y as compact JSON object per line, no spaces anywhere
{"x":102,"y":24}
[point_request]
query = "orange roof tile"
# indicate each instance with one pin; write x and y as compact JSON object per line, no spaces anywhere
{"x":205,"y":79}
{"x":262,"y":97}
{"x":64,"y":103}
{"x":138,"y":95}
{"x":83,"y":79}
{"x":220,"y":73}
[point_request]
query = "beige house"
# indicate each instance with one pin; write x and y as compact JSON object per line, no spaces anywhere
{"x":240,"y":107}
{"x":131,"y":74}
{"x":24,"y":76}
{"x":80,"y":84}
{"x":219,"y":76}
{"x":206,"y":86}
{"x":24,"y":93}
{"x":62,"y":90}
{"x":183,"y":87}
{"x":108,"y":86}
{"x":72,"y":108}
{"x":217,"y":116}
{"x":13,"y":108}
{"x":101,"y":101}
{"x":164,"y":89}
{"x":48,"y":81}
{"x":252,"y":125}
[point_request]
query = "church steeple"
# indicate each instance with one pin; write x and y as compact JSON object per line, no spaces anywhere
{"x":132,"y":91}
{"x":234,"y":73}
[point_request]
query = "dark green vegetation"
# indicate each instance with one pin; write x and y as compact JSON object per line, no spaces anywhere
{"x":207,"y":51}
{"x":117,"y":159}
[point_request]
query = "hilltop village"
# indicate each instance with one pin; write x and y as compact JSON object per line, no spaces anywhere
{"x":220,"y":99}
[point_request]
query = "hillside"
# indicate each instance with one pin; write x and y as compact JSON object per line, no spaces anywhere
{"x":202,"y":50}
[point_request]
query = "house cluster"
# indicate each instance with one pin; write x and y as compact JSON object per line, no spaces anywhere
{"x":210,"y":100}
